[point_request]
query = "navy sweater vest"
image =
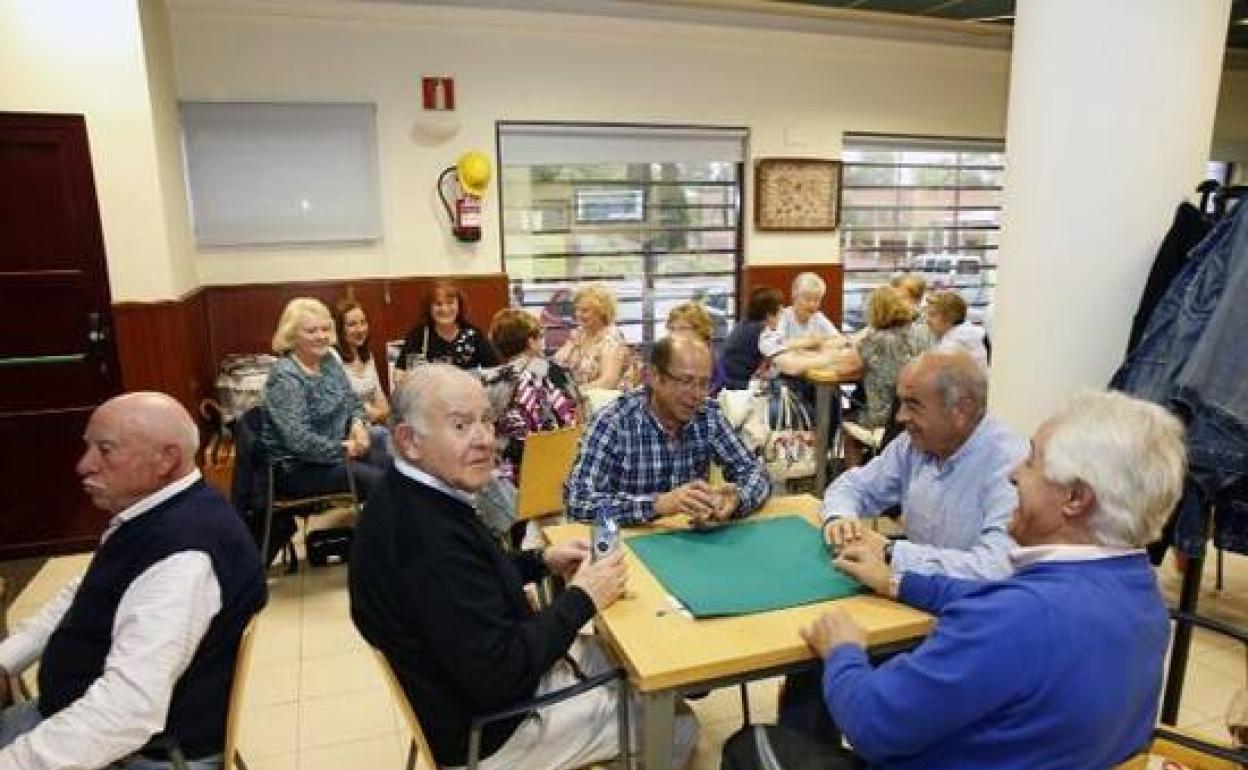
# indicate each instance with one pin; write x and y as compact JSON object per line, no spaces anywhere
{"x":198,"y":519}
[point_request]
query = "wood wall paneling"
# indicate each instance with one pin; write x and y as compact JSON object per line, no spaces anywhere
{"x":781,"y":277}
{"x":175,"y":346}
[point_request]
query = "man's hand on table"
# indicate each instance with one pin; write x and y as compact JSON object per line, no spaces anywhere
{"x":603,"y":580}
{"x":848,"y":530}
{"x":867,"y":567}
{"x":563,"y":560}
{"x":726,"y":499}
{"x":832,"y":630}
{"x":697,"y":499}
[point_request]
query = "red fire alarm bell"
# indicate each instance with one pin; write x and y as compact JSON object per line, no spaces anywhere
{"x":437,"y":93}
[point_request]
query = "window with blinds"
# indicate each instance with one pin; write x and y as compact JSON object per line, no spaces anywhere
{"x":653,"y":213}
{"x":925,"y":205}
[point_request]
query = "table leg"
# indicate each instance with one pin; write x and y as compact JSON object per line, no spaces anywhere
{"x":658,"y":730}
{"x":823,"y":429}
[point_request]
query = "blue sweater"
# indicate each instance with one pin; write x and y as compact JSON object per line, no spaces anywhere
{"x":1057,"y":668}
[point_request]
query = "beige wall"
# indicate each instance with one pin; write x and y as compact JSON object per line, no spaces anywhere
{"x":87,"y":57}
{"x":796,"y":92}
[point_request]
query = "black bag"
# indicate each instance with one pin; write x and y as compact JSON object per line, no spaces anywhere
{"x":331,"y":545}
{"x":772,"y":747}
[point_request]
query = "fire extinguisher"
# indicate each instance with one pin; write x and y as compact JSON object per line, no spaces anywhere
{"x":472,"y":176}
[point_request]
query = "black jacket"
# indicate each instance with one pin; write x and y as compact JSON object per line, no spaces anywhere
{"x":431,"y":589}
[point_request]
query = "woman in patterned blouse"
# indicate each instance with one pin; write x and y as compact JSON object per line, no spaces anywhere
{"x":313,"y":422}
{"x":527,"y":393}
{"x":445,"y":335}
{"x":597,"y":353}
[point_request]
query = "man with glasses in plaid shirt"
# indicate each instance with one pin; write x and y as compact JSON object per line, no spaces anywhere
{"x":648,"y":453}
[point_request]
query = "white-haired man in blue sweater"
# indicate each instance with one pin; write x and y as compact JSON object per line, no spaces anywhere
{"x":1058,"y":666}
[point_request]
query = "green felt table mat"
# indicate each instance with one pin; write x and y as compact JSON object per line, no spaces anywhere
{"x":746,"y":567}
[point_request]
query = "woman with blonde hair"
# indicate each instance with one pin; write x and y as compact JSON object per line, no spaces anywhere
{"x":691,"y":317}
{"x":888,"y":343}
{"x":313,"y":422}
{"x":596,"y":354}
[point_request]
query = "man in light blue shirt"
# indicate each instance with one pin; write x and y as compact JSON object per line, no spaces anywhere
{"x":949,"y":473}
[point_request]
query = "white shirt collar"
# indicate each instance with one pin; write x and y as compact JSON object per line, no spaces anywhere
{"x":1023,"y":557}
{"x":429,"y":480}
{"x":151,"y":501}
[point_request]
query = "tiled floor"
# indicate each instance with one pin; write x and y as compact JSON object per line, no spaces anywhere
{"x":316,"y":700}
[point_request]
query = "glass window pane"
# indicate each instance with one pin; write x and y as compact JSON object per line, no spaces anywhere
{"x":913,"y":206}
{"x":656,"y":233}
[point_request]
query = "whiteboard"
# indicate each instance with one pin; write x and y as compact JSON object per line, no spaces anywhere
{"x":266,"y":173}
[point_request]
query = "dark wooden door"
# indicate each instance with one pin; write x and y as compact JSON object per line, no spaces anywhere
{"x":58,"y":360}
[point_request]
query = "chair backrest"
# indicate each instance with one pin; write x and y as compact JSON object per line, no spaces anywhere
{"x":238,"y":693}
{"x":249,"y":490}
{"x":548,"y":457}
{"x":405,"y":706}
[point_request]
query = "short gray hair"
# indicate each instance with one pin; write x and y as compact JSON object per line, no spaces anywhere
{"x":808,"y":283}
{"x":958,"y":376}
{"x":1131,"y":453}
{"x":410,"y":400}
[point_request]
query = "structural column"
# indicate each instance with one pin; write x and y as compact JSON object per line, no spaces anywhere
{"x":1111,"y":113}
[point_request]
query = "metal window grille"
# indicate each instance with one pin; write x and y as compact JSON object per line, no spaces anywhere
{"x":920,"y":204}
{"x":654,"y":214}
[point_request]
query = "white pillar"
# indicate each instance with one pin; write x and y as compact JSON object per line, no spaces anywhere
{"x":1110,"y":120}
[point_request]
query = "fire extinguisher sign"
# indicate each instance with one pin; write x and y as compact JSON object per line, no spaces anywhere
{"x":437,"y":93}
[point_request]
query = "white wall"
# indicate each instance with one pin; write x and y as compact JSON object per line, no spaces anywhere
{"x":796,"y":92}
{"x":87,"y":57}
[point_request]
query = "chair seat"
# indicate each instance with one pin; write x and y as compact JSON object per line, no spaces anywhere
{"x":868,"y":437}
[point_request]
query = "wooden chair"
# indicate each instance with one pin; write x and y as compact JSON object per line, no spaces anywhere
{"x":548,"y":458}
{"x":420,"y":744}
{"x":1188,"y":750}
{"x":231,"y":758}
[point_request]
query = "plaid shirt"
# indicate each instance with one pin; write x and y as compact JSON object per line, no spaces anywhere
{"x":626,"y":460}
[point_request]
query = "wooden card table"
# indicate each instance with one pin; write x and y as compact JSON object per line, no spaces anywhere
{"x":667,"y":653}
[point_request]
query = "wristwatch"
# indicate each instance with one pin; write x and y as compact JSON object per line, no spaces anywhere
{"x":888,"y":552}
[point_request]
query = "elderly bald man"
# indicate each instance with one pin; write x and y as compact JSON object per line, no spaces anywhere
{"x":648,"y":453}
{"x":144,"y":643}
{"x":949,"y":473}
{"x":431,"y":589}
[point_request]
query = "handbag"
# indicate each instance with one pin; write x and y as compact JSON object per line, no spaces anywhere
{"x":789,"y":452}
{"x":746,"y":413}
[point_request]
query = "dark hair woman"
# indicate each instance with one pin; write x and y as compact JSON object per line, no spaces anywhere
{"x":445,"y":335}
{"x":357,"y":358}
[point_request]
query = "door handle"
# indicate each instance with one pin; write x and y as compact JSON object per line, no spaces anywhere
{"x":70,"y":358}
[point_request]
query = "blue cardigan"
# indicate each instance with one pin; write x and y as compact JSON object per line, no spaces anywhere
{"x":1057,"y":668}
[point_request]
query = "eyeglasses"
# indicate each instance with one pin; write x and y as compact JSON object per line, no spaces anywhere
{"x":686,"y":383}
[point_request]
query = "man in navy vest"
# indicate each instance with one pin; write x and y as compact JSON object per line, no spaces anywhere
{"x":144,"y":643}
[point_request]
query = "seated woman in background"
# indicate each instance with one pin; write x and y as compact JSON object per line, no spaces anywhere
{"x":596,"y":354}
{"x":946,"y":317}
{"x":313,"y":421}
{"x":803,"y":324}
{"x":912,"y":287}
{"x":357,"y":358}
{"x":887,"y":344}
{"x":754,"y":341}
{"x":528,"y":393}
{"x":445,"y":335}
{"x":691,"y":317}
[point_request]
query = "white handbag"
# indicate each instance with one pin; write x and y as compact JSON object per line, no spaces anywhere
{"x":746,"y":411}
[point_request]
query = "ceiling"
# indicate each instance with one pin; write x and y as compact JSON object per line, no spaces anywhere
{"x":991,"y":12}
